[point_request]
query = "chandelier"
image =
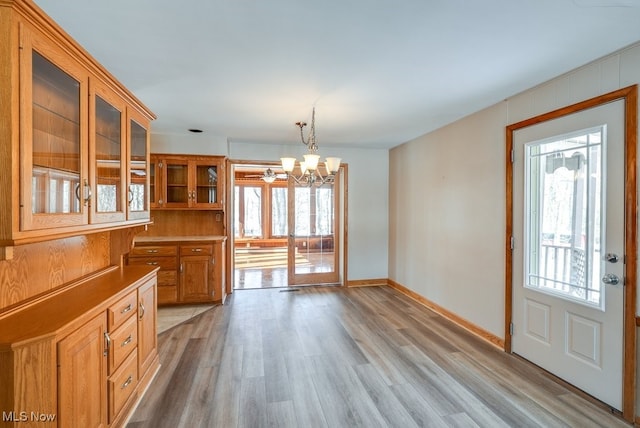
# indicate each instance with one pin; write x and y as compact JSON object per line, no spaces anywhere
{"x":309,"y":172}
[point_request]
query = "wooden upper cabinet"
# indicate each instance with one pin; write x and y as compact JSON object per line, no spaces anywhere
{"x":75,"y":148}
{"x":138,"y":134}
{"x":107,"y":163}
{"x":53,"y":136}
{"x":188,"y":182}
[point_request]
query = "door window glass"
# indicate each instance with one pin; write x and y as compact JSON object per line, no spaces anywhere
{"x":564,"y":202}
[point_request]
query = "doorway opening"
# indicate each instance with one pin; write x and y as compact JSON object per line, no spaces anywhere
{"x":283,"y":234}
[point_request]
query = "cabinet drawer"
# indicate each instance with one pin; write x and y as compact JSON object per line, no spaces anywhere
{"x":120,"y":311}
{"x":157,"y":250}
{"x":122,"y":384}
{"x":123,"y":340}
{"x":167,"y":294}
{"x":166,"y":263}
{"x":167,"y":277}
{"x":196,"y":250}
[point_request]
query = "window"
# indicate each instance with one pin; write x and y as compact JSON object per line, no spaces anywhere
{"x":249,"y":203}
{"x":279,"y":211}
{"x":564,"y":201}
{"x":314,"y":211}
{"x":261,"y":210}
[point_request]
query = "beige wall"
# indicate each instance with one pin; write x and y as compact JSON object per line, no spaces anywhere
{"x":447,"y":221}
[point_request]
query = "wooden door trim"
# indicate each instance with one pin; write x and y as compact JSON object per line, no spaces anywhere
{"x":630,"y":97}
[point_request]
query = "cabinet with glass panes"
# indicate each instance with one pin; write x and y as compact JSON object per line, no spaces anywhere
{"x":188,"y":181}
{"x":73,"y":166}
{"x":107,"y":155}
{"x":138,"y":198}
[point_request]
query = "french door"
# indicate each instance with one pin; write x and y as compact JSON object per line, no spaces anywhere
{"x":314,"y":231}
{"x":569,"y":252}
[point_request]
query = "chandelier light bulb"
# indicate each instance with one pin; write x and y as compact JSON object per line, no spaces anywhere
{"x":311,"y":161}
{"x":288,"y":164}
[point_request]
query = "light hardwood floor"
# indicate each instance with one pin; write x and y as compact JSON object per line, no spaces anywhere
{"x":335,"y":357}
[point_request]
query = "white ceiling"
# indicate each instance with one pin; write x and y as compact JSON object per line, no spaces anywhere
{"x":380,"y":72}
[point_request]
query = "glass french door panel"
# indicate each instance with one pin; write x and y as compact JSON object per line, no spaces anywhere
{"x":565,"y":197}
{"x":312,"y":256}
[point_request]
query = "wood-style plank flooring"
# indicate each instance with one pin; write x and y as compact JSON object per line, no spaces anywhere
{"x":335,"y":357}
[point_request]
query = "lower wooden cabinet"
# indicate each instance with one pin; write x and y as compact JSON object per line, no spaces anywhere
{"x":196,"y":282}
{"x":193,"y":270}
{"x":82,"y":357}
{"x":82,"y":370}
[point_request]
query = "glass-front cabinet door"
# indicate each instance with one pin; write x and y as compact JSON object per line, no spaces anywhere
{"x":55,"y":191}
{"x":177,"y":183}
{"x":156,"y":182}
{"x":206,"y":193}
{"x":107,"y":150}
{"x":138,"y":192}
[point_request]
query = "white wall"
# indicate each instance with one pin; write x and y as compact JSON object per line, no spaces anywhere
{"x":193,"y":144}
{"x":447,"y":188}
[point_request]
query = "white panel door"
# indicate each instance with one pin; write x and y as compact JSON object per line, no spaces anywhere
{"x":568,"y":225}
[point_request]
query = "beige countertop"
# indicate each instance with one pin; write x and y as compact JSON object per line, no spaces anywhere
{"x":180,"y":238}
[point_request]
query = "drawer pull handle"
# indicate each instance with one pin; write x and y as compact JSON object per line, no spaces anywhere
{"x":152,"y":263}
{"x":152,"y":251}
{"x":126,"y":309}
{"x":127,"y":382}
{"x":196,"y":250}
{"x":127,"y":341}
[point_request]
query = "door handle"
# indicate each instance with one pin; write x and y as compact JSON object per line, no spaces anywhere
{"x":611,"y":258}
{"x":611,"y":279}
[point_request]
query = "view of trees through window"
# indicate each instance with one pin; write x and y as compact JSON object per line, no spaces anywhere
{"x":314,"y":211}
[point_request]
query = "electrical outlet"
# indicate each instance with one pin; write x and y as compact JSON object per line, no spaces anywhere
{"x":218,"y":217}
